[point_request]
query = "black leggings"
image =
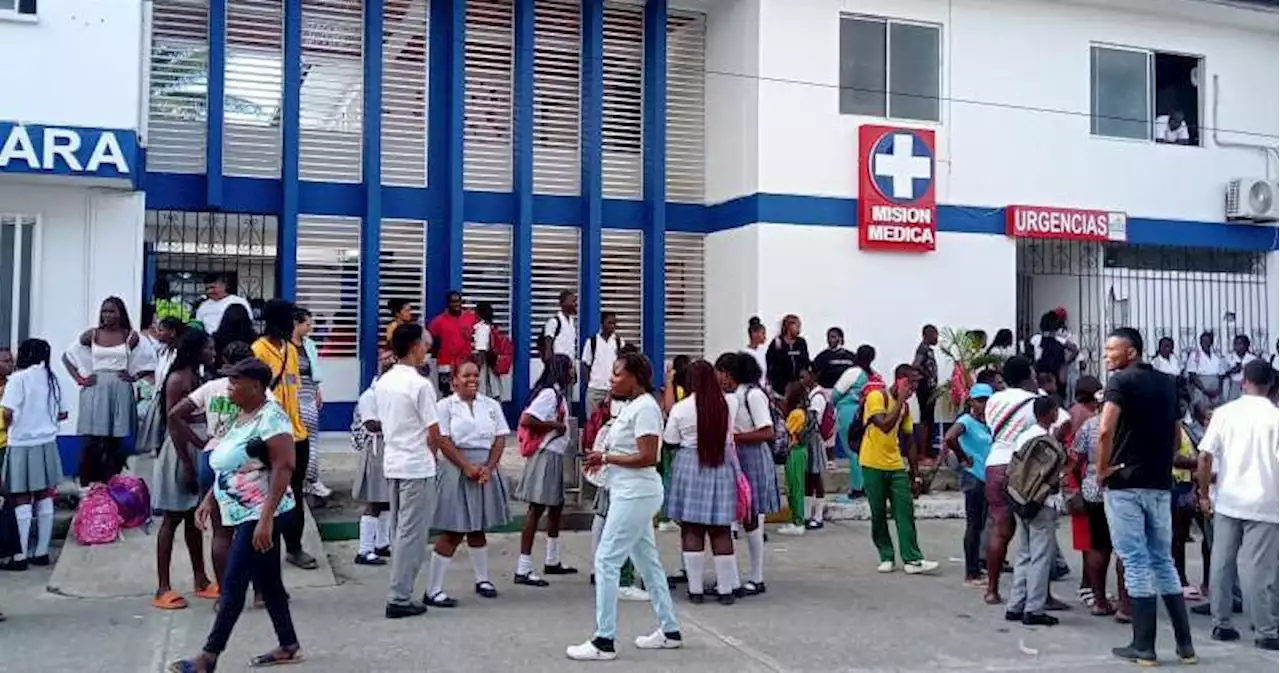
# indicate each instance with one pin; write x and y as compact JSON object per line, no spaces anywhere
{"x":293,"y":523}
{"x":975,"y":519}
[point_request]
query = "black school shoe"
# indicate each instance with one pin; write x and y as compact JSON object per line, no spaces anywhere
{"x":1272,"y":644}
{"x":559,"y":569}
{"x":369,"y":560}
{"x":529,"y":580}
{"x":397,"y":611}
{"x":696,"y":599}
{"x":42,"y":560}
{"x":486,"y":590}
{"x":1038,"y":619}
{"x":440,"y":600}
{"x":14,"y":566}
{"x":753,"y":589}
{"x":726,"y":599}
{"x":384,"y":552}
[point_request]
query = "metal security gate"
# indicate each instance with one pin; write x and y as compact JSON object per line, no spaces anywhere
{"x":1162,"y":291}
{"x":187,"y":245}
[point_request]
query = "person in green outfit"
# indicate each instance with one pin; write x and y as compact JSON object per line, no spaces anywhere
{"x":802,"y":429}
{"x":887,"y":479}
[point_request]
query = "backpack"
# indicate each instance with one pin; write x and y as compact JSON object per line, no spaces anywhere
{"x":97,"y":518}
{"x":826,"y":424}
{"x":529,"y":441}
{"x":1034,"y":472}
{"x":859,"y":426}
{"x":132,"y":498}
{"x":780,"y":446}
{"x":503,"y":351}
{"x":599,"y":418}
{"x":1053,"y":355}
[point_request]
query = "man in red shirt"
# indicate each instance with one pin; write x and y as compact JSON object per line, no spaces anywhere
{"x":453,"y":331}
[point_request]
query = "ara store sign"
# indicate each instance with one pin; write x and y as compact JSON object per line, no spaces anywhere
{"x":1069,"y":224}
{"x":897,"y":208}
{"x":67,"y":151}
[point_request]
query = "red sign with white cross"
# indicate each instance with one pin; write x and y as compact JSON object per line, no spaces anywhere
{"x":897,"y":207}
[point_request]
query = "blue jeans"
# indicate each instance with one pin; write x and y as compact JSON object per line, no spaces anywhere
{"x":628,"y":532}
{"x":245,"y":564}
{"x":1141,"y":523}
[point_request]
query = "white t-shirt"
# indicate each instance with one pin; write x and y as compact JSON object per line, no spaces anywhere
{"x":640,"y":418}
{"x":472,"y":426}
{"x":759,"y":352}
{"x":35,"y":412}
{"x":406,"y":404}
{"x":367,"y":405}
{"x":1233,"y":360}
{"x":214,"y":399}
{"x":480,"y":337}
{"x":544,"y":408}
{"x":1010,"y":403}
{"x":599,"y":354}
{"x":1027,"y":435}
{"x":566,"y":343}
{"x":847,"y":379}
{"x":752,"y":410}
{"x":210,"y":311}
{"x":1205,"y":364}
{"x":682,"y":421}
{"x":1244,"y":439}
{"x":1167,"y":365}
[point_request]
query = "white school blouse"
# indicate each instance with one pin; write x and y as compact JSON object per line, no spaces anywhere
{"x":471,"y":426}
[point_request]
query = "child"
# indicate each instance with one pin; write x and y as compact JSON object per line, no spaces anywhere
{"x":802,"y":428}
{"x":815,"y":493}
{"x":370,"y":486}
{"x":1037,"y":544}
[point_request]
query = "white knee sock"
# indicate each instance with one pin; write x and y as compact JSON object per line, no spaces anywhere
{"x":694,"y":564}
{"x":755,"y":552}
{"x":44,"y":533}
{"x":726,"y":573}
{"x":819,"y":504}
{"x":383,"y":538}
{"x":597,"y":530}
{"x":368,"y":534}
{"x":479,"y":562}
{"x":435,"y":584}
{"x":23,"y":514}
{"x":808,"y":507}
{"x":553,"y":551}
{"x":524,"y":565}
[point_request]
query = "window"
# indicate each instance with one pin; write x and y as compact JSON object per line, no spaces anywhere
{"x":17,"y":246}
{"x":1145,"y":95}
{"x":22,"y":10}
{"x":890,"y":68}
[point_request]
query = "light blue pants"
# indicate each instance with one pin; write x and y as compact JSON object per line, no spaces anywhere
{"x":1142,"y":534}
{"x":628,"y":532}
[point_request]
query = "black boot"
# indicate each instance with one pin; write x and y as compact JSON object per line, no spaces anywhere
{"x":1143,"y":648}
{"x":1177,"y":607}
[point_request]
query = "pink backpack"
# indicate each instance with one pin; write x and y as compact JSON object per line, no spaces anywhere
{"x":97,"y":518}
{"x":133,"y":499}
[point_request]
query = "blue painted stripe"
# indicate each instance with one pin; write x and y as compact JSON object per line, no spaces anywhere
{"x":592,"y":178}
{"x":438,"y":161}
{"x":215,"y":107}
{"x":290,"y":138}
{"x":455,"y":103}
{"x":522,"y":181}
{"x":371,"y":224}
{"x":655,"y":181}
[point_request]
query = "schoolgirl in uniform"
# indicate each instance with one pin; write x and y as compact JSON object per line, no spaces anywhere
{"x":815,"y":491}
{"x":542,"y":484}
{"x":371,"y":486}
{"x":472,"y":495}
{"x":801,"y":429}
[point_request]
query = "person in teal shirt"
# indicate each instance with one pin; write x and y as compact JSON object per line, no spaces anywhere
{"x":847,"y":396}
{"x":970,"y":439}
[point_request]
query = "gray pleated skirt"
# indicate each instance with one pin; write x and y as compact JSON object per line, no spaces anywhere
{"x":706,"y":496}
{"x":371,"y":486}
{"x":543,"y":480}
{"x":168,"y":491}
{"x":762,"y":474}
{"x":31,"y":469}
{"x":817,"y":455}
{"x":107,"y":408}
{"x":464,"y":506}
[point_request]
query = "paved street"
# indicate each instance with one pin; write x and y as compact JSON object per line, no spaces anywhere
{"x":826,"y":610}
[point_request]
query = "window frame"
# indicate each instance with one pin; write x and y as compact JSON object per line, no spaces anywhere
{"x":16,"y":14}
{"x":23,"y":222}
{"x":1151,"y":54}
{"x":887,"y":22}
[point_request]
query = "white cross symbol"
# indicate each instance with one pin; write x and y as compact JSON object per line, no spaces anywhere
{"x":902,"y":166}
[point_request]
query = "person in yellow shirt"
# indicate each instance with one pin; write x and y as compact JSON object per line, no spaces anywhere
{"x":887,"y":480}
{"x":278,"y":352}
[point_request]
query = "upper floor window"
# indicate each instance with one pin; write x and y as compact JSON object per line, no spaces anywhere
{"x":1145,"y":95}
{"x":890,"y":68}
{"x":17,"y":259}
{"x":24,"y":10}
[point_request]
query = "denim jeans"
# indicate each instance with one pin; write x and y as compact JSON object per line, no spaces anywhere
{"x":245,"y":564}
{"x":628,"y":532}
{"x":975,"y":520}
{"x":1142,"y":534}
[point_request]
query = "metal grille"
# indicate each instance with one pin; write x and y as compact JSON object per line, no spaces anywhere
{"x":402,"y":271}
{"x":187,"y":245}
{"x":404,"y":94}
{"x":684,"y":318}
{"x":178,"y":104}
{"x":17,"y":271}
{"x":622,"y":280}
{"x":622,"y":130}
{"x":329,"y":280}
{"x":486,"y":268}
{"x":251,"y":104}
{"x":332,"y":103}
{"x":556,"y":96}
{"x":686,"y":106}
{"x":555,"y":269}
{"x":487,"y":117}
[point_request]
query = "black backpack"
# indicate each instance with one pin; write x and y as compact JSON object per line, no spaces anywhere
{"x":1053,"y":355}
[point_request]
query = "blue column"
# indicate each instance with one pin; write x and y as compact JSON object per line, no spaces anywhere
{"x":447,"y":99}
{"x":655,"y":179}
{"x":215,"y":105}
{"x":592,"y":164}
{"x":371,"y":225}
{"x":290,"y":131}
{"x":522,"y":180}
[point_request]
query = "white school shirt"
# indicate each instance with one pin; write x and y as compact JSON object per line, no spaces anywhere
{"x":1002,"y":405}
{"x":641,"y":417}
{"x":406,"y":404}
{"x":566,"y":343}
{"x":1205,"y":364}
{"x":480,"y":336}
{"x":472,"y":426}
{"x":367,"y":405}
{"x":209,"y":312}
{"x":1232,"y":360}
{"x":1244,"y":439}
{"x":1167,"y":365}
{"x":600,"y":358}
{"x":752,"y":410}
{"x":759,"y":353}
{"x":544,"y":408}
{"x":35,"y":413}
{"x":682,"y":421}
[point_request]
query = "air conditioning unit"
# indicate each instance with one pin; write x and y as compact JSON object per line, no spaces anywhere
{"x":1253,"y":199}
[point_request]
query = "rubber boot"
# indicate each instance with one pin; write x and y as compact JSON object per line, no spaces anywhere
{"x":1177,"y":607}
{"x":1142,"y":650}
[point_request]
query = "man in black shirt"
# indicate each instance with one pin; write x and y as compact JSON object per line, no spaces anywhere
{"x":831,"y":363}
{"x":1137,"y":441}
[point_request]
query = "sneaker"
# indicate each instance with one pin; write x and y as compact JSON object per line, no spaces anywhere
{"x":668,"y":527}
{"x":660,"y":641}
{"x":635,"y":594}
{"x":320,"y":490}
{"x":369,"y":559}
{"x":885,"y":567}
{"x":921,"y":567}
{"x":591,"y":651}
{"x":1038,"y":619}
{"x":397,"y":611}
{"x":1225,"y":634}
{"x":791,"y":529}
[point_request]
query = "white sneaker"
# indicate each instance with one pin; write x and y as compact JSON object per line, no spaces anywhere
{"x":658,"y":641}
{"x":588,"y":652}
{"x":921,"y":567}
{"x":633,"y":594}
{"x":791,"y":529}
{"x":667,"y":527}
{"x":319,"y":490}
{"x":885,"y":567}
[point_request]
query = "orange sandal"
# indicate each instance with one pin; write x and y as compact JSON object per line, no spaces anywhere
{"x":169,"y":600}
{"x":210,"y":592}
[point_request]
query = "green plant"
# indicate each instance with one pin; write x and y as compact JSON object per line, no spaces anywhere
{"x":967,"y":352}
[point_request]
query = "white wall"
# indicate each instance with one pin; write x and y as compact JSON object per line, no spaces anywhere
{"x":732,"y":286}
{"x":79,"y":64}
{"x":732,"y":100}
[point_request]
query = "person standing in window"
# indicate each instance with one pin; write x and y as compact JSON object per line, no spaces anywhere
{"x":1235,"y":364}
{"x":788,"y":353}
{"x":210,"y":311}
{"x":598,"y":355}
{"x":758,"y":348}
{"x":482,"y":345}
{"x":1205,"y":368}
{"x":832,"y":362}
{"x":1172,"y":128}
{"x":453,"y":332}
{"x":276,"y":349}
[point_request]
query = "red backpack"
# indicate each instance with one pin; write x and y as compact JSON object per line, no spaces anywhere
{"x":504,"y":351}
